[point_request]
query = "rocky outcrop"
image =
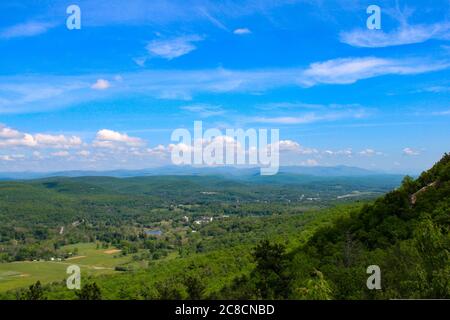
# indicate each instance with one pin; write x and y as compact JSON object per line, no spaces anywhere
{"x":413,"y":198}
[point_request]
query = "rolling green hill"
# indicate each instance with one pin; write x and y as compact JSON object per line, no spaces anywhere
{"x":286,"y":237}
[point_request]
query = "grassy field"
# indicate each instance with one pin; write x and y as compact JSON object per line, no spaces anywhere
{"x":91,"y":260}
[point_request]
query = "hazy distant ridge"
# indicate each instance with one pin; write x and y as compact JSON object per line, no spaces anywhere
{"x":344,"y":171}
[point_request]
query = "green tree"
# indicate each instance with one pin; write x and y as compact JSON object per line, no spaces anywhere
{"x":171,"y":289}
{"x":272,"y":280}
{"x":316,"y":288}
{"x":194,"y":287}
{"x":89,"y":291}
{"x":34,"y":292}
{"x":433,"y":245}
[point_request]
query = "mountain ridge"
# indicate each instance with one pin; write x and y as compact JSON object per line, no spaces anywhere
{"x":331,"y":171}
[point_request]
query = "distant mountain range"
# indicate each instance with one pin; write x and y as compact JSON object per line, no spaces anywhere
{"x":320,"y":171}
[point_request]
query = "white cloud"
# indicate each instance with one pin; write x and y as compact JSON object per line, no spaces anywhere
{"x":159,"y":150}
{"x":111,"y":149}
{"x":8,"y":133}
{"x":13,"y":138}
{"x":293,"y":146}
{"x":25,"y":140}
{"x":112,"y":139}
{"x":101,"y":84}
{"x":289,"y":145}
{"x":411,"y":152}
{"x":242,"y":31}
{"x":345,"y":152}
{"x":406,"y":34}
{"x":57,"y":141}
{"x":173,"y":48}
{"x":27,"y":29}
{"x":290,"y":149}
{"x":370,"y":153}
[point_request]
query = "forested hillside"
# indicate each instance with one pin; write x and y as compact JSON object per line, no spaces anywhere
{"x":405,"y":233}
{"x":264,"y":242}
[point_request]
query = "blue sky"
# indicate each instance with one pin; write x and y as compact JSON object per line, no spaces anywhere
{"x":109,"y":95}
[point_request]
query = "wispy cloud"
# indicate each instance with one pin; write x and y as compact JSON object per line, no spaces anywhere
{"x":140,"y":61}
{"x":242,"y":31}
{"x":370,"y":153}
{"x":204,"y":110}
{"x":436,"y":89}
{"x":312,"y":117}
{"x":165,"y":13}
{"x":212,"y":19}
{"x":302,"y":105}
{"x":27,"y":29}
{"x":351,"y":70}
{"x":410,"y":152}
{"x":173,"y":48}
{"x":39,"y":93}
{"x":345,"y":152}
{"x":101,"y":84}
{"x":441,"y":113}
{"x":405,"y":34}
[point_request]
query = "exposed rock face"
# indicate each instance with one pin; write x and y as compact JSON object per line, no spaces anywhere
{"x":413,"y":198}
